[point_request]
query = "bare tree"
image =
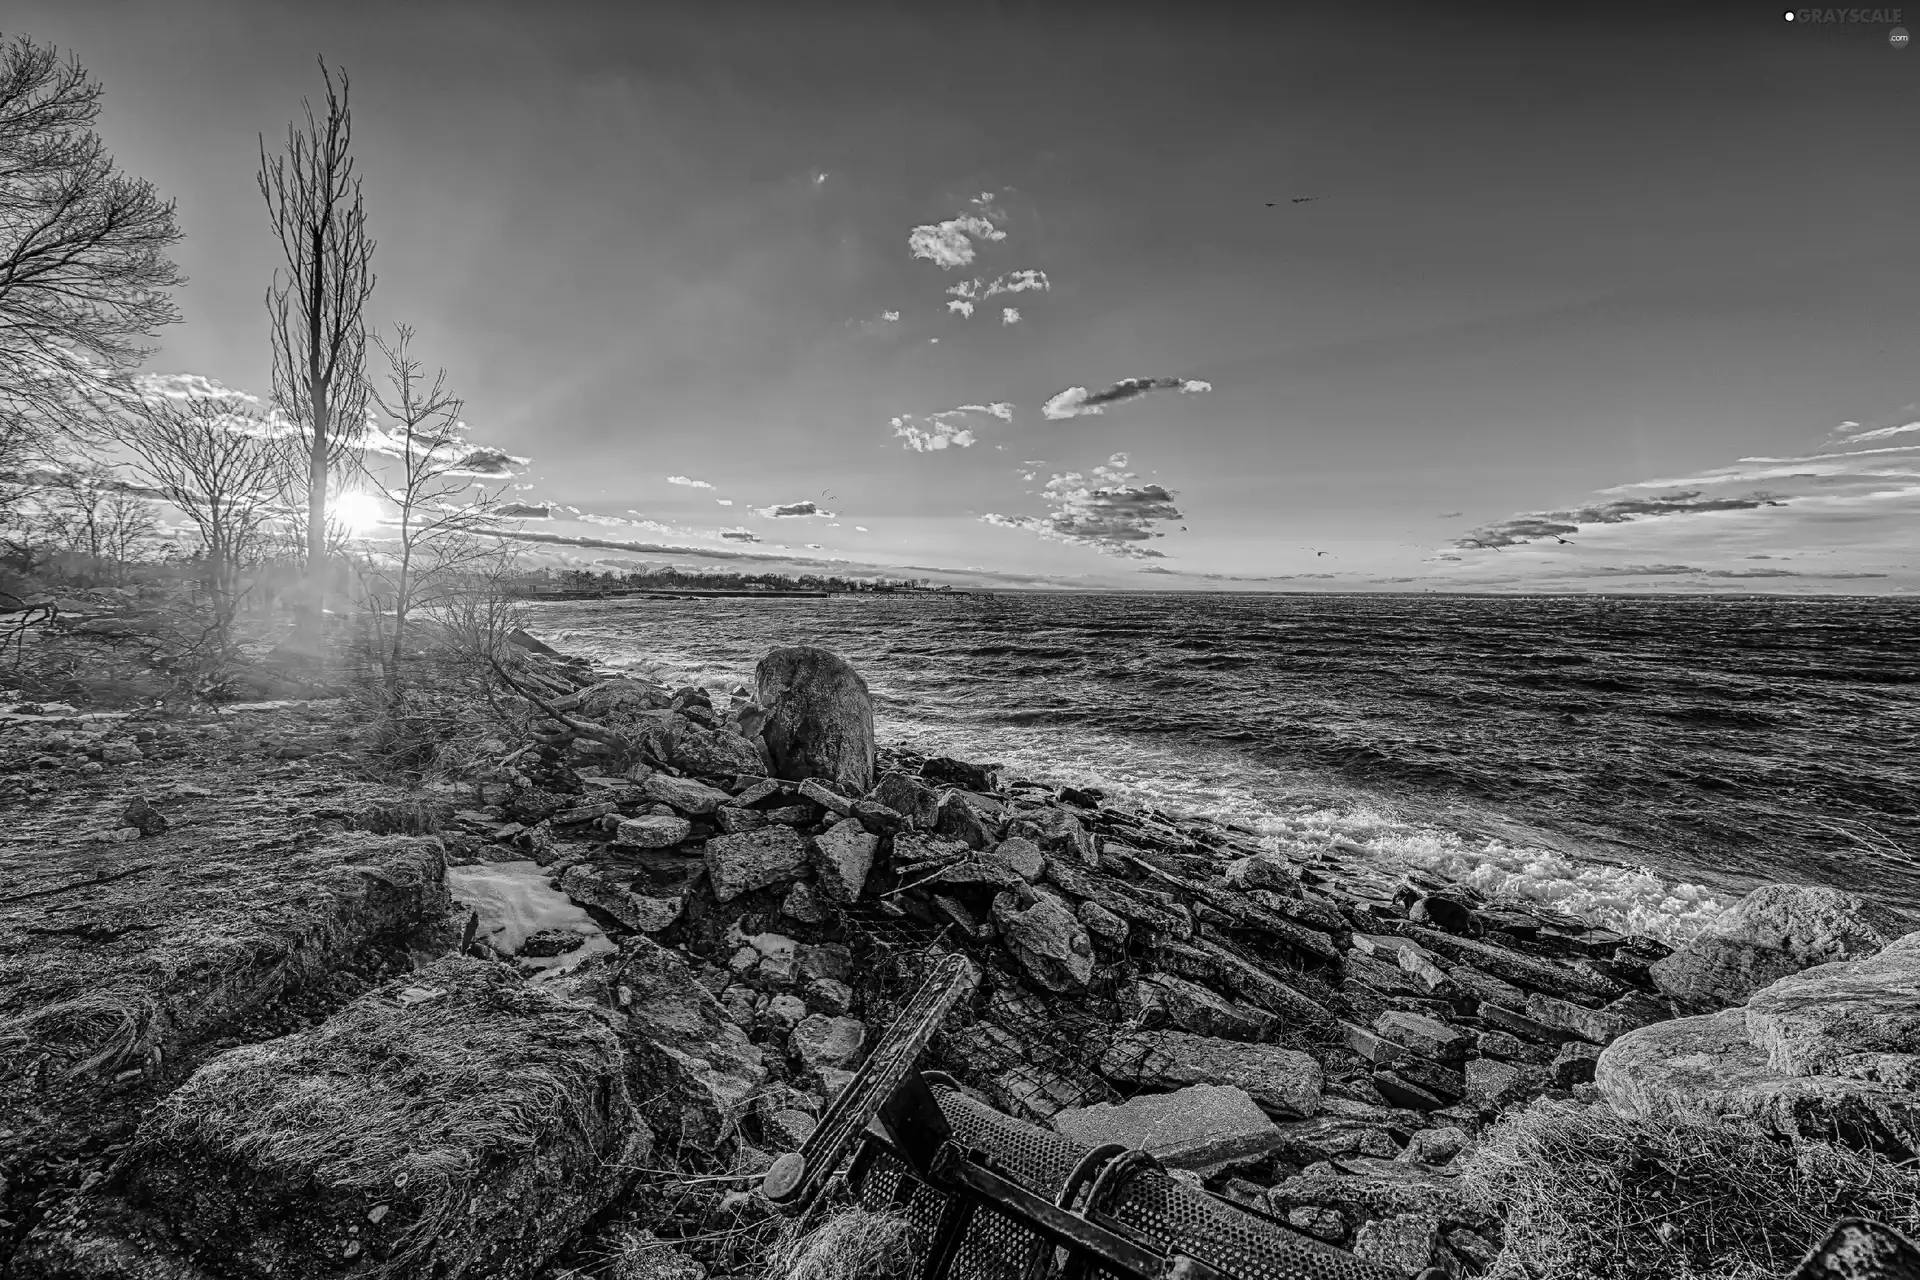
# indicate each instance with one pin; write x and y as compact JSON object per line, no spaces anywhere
{"x":214,"y":458}
{"x":91,"y":512}
{"x":436,"y":480}
{"x":316,"y":305}
{"x":84,"y":271}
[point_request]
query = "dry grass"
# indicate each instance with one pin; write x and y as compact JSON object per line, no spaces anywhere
{"x":850,"y":1243}
{"x":1587,"y":1193}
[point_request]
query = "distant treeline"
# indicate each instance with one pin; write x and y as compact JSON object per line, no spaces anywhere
{"x":670,"y":579}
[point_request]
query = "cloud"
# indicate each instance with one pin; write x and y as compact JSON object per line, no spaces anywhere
{"x":790,"y":510}
{"x":1009,"y":315}
{"x":946,"y":244}
{"x":1019,"y":282}
{"x":684,"y":482}
{"x":1154,"y":568}
{"x":960,"y":305}
{"x":739,"y":535}
{"x":1001,"y":409}
{"x":941,"y":433}
{"x":1543,"y":524}
{"x":860,"y":528}
{"x":1110,"y":513}
{"x":965,"y":289}
{"x":889,"y":317}
{"x":725,"y":502}
{"x":1449,"y":515}
{"x":524,"y":511}
{"x":1077,"y":402}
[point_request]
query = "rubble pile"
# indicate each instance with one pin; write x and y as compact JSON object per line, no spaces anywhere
{"x":686,"y":916}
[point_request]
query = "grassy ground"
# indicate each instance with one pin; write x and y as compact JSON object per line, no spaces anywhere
{"x":1588,"y":1194}
{"x":263,"y":907}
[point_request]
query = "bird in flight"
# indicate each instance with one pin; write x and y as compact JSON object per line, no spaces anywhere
{"x":1562,"y":541}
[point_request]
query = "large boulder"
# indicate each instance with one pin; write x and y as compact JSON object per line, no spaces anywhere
{"x":1705,"y":1068}
{"x":1776,"y":930}
{"x":1856,"y":1018}
{"x":819,"y":717}
{"x":457,"y":1122}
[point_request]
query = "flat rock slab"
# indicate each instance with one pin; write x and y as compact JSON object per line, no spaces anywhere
{"x":1189,"y":1129}
{"x":110,"y":972}
{"x":456,"y":1122}
{"x":1284,"y":1082}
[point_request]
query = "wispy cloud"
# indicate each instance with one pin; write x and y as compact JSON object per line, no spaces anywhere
{"x":739,"y":535}
{"x":524,"y":511}
{"x":1076,"y":402}
{"x":1111,"y":512}
{"x":686,"y":483}
{"x":947,"y":244}
{"x":1530,"y":526}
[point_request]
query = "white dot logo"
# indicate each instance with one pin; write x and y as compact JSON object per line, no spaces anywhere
{"x":1789,"y":15}
{"x":1897,"y":37}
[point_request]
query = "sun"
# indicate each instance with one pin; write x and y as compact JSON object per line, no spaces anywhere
{"x":362,"y":513}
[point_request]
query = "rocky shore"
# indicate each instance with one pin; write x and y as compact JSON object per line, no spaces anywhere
{"x":599,"y":989}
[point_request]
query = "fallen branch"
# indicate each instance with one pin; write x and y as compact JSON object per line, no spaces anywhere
{"x":76,"y":884}
{"x":585,"y":728}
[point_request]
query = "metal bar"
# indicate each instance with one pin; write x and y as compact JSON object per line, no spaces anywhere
{"x":1062,"y":1227}
{"x":797,"y":1178}
{"x":955,"y":1221}
{"x":914,"y":1123}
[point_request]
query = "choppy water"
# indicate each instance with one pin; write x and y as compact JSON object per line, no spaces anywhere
{"x":1640,"y":760}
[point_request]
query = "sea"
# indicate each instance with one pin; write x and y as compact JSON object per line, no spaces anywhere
{"x":1640,"y":761}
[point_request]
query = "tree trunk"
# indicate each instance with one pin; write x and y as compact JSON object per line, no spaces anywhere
{"x":311,"y":620}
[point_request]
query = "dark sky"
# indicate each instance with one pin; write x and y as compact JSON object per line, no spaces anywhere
{"x":1552,"y":251}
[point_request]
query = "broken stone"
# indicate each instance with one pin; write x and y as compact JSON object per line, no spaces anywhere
{"x":733,"y":821}
{"x":684,"y":795}
{"x":1402,"y":1243}
{"x":842,"y":857}
{"x":143,"y":817}
{"x":1321,"y":1224}
{"x":828,"y":996}
{"x":1434,"y":1146}
{"x":913,"y":800}
{"x":1263,"y":871}
{"x":1022,"y":856}
{"x":820,"y":1041}
{"x":1189,"y":1129}
{"x":1493,"y":1082}
{"x":1103,"y":924}
{"x":1331,"y":1137}
{"x":955,"y":819}
{"x":804,"y":905}
{"x":652,"y":832}
{"x":827,"y":798}
{"x":1857,"y":1018}
{"x":1564,"y":980}
{"x":786,"y":1010}
{"x":1421,"y":1034}
{"x":787,"y":1129}
{"x":1402,"y":1092}
{"x":1574,"y":1064}
{"x":638,"y":912}
{"x":1192,"y":1007}
{"x":1044,"y":937}
{"x":751,"y":860}
{"x":1285,"y":1082}
{"x":878,"y":818}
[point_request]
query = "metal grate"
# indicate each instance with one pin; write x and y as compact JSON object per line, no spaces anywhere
{"x":1148,"y":1205}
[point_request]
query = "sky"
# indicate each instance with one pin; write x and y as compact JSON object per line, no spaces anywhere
{"x":1127,"y":296}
